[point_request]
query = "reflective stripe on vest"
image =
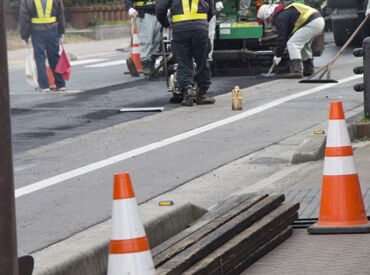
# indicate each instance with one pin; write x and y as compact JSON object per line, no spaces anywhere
{"x":143,"y":3}
{"x":189,"y":14}
{"x":43,"y":18}
{"x":305,"y":13}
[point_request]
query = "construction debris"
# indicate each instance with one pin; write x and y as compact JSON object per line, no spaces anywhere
{"x":229,"y":238}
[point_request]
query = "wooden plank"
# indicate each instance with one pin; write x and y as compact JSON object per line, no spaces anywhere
{"x":203,"y":231}
{"x":219,"y":209}
{"x":248,"y":241}
{"x":202,"y":247}
{"x":263,"y":250}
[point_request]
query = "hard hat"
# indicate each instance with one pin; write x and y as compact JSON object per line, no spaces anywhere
{"x":265,"y":11}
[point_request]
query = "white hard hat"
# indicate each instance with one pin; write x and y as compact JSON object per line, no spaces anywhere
{"x":265,"y":11}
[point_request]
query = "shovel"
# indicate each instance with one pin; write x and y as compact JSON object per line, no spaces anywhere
{"x":129,"y":62}
{"x":327,"y":68}
{"x":269,"y":74}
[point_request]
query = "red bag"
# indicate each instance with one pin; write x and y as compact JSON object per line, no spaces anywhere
{"x":63,"y":67}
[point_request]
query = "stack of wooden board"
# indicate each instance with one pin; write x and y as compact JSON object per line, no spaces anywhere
{"x":228,"y":238}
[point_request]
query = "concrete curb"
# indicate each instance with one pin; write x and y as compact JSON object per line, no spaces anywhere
{"x":313,"y":148}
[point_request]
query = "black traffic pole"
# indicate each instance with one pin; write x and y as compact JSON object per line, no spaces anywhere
{"x":366,"y":48}
{"x":8,"y":235}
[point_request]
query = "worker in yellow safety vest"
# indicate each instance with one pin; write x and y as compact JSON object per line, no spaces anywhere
{"x":189,"y":21}
{"x":297,"y":25}
{"x":43,"y":20}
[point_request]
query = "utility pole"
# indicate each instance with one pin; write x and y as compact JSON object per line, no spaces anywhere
{"x":8,"y":235}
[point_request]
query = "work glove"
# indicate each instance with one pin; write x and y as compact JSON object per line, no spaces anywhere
{"x":219,"y":6}
{"x":26,"y":41}
{"x":61,"y":38}
{"x":367,"y":13}
{"x":169,"y":13}
{"x":132,"y":12}
{"x":277,"y":60}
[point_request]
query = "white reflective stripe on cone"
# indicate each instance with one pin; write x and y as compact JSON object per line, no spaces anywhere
{"x":140,"y":263}
{"x":337,"y":134}
{"x":339,"y":166}
{"x":135,"y":50}
{"x":126,"y":222}
{"x":135,"y":39}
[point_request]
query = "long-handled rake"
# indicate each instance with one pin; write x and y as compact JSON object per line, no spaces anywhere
{"x":327,"y":68}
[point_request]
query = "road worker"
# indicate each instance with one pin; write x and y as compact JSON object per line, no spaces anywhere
{"x":189,"y":21}
{"x":297,"y":26}
{"x":148,"y":31}
{"x":44,"y":21}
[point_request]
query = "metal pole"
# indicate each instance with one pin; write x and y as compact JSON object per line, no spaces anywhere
{"x":366,"y":47}
{"x":8,"y":235}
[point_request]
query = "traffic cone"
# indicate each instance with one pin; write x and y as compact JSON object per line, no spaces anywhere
{"x":341,"y":208}
{"x":129,"y":251}
{"x":135,"y":53}
{"x":50,"y":75}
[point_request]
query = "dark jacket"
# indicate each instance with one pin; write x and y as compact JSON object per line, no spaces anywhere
{"x":146,"y":6}
{"x":28,"y":10}
{"x":284,"y":21}
{"x":204,"y":7}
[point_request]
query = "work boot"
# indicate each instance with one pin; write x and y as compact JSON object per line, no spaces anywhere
{"x":308,"y":68}
{"x":203,"y":97}
{"x":147,"y":67}
{"x":188,"y":99}
{"x":295,"y":69}
{"x":176,"y":98}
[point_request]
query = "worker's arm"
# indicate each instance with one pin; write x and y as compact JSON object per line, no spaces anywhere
{"x":161,"y":8}
{"x":211,"y":11}
{"x":60,"y":18}
{"x":282,"y":28}
{"x":25,"y":15}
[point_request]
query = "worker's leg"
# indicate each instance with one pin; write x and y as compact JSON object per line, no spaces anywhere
{"x":181,"y":47}
{"x":38,"y":42}
{"x":211,"y":34}
{"x":203,"y":74}
{"x":52,"y":51}
{"x":145,"y":35}
{"x":303,"y":36}
{"x":155,"y":34}
{"x":244,"y":9}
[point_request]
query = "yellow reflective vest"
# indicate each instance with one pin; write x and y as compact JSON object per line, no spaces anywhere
{"x":43,"y":17}
{"x":305,"y":13}
{"x":189,"y":13}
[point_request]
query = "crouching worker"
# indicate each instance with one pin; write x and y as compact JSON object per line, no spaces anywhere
{"x":297,"y":26}
{"x":190,"y":40}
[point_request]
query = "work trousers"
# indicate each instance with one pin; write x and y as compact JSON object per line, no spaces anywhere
{"x":299,"y":45}
{"x":47,"y":44}
{"x":211,"y":35}
{"x":149,"y":34}
{"x":187,"y":45}
{"x":244,"y":7}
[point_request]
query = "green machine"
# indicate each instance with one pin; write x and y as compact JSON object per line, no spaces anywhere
{"x":244,"y":47}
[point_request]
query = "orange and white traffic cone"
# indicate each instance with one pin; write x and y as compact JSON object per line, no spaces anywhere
{"x":135,"y":54}
{"x":50,"y":75}
{"x":129,"y":251}
{"x":341,"y":208}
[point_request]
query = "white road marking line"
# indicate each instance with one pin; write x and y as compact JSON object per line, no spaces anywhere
{"x":87,"y":61}
{"x":156,"y":145}
{"x":106,"y":64}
